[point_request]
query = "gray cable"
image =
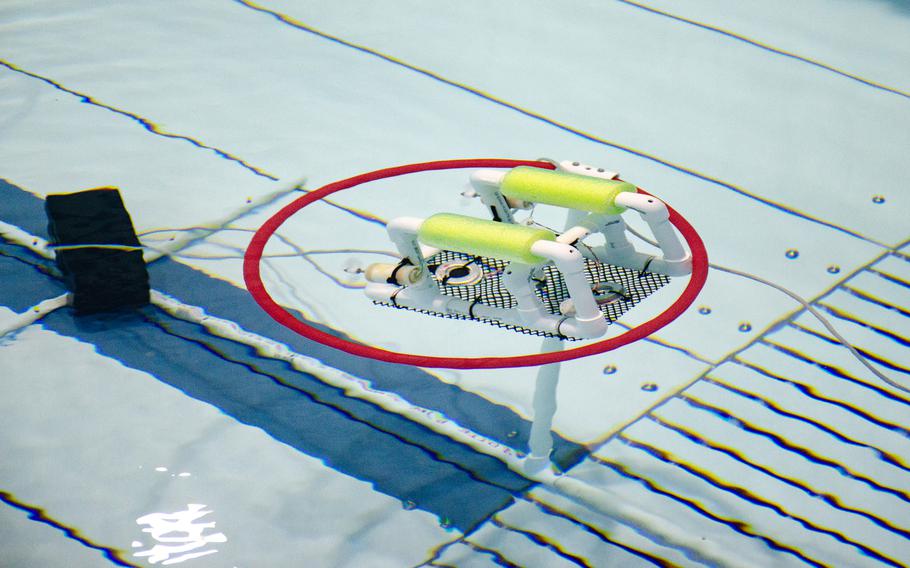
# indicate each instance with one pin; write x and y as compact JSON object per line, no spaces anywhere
{"x":802,"y":301}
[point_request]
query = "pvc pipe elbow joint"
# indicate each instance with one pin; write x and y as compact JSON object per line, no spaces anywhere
{"x":566,"y":257}
{"x":401,"y":227}
{"x":588,"y":321}
{"x":680,"y":267}
{"x":484,"y":179}
{"x":651,"y":208}
{"x":591,"y":327}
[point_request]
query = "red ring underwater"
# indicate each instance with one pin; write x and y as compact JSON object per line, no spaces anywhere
{"x":253,"y":279}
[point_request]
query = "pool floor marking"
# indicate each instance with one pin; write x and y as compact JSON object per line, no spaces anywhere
{"x":610,"y":539}
{"x":597,"y":540}
{"x":287,"y":20}
{"x":554,"y":522}
{"x":725,"y":484}
{"x":872,"y":356}
{"x":540,"y":540}
{"x":147,"y":124}
{"x":702,"y":509}
{"x":39,"y":515}
{"x":667,"y":345}
{"x":760,"y":337}
{"x":842,"y":314}
{"x":774,"y":408}
{"x":766,"y":47}
{"x":494,"y":556}
{"x":151,"y":127}
{"x":872,"y":298}
{"x":850,"y":459}
{"x":751,"y":452}
{"x":871,"y":484}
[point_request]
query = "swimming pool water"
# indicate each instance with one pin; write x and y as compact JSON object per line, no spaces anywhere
{"x":778,"y":131}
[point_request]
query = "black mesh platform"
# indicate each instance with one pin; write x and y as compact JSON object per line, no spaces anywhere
{"x":629,"y":288}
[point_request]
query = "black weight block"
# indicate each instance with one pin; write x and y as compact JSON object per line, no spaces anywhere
{"x":100,"y":279}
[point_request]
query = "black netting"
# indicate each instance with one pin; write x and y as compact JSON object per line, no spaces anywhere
{"x":622,"y":288}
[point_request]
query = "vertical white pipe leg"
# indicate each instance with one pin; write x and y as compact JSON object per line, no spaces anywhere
{"x":540,"y":443}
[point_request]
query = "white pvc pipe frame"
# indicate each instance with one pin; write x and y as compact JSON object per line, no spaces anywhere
{"x":617,"y":250}
{"x":588,"y":321}
{"x":424,"y":294}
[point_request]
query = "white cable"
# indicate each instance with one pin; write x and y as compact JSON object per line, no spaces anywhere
{"x":127,"y":248}
{"x":20,"y":237}
{"x":808,"y":306}
{"x":824,"y":321}
{"x":191,"y":237}
{"x":33,"y":314}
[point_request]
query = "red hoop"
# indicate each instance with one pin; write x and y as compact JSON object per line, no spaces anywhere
{"x":253,"y":279}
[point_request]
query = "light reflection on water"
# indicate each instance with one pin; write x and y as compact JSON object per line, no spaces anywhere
{"x":178,"y":537}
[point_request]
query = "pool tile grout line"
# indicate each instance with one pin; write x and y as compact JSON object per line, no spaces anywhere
{"x":769,"y":329}
{"x":766,"y":47}
{"x":147,"y":124}
{"x":289,"y":21}
{"x":38,"y":515}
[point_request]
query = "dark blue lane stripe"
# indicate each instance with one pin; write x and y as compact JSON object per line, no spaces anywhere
{"x":399,"y":457}
{"x":873,"y":357}
{"x":752,"y":498}
{"x":841,"y":374}
{"x":38,"y":515}
{"x":601,"y":536}
{"x":543,"y":541}
{"x":20,"y":265}
{"x":806,"y":452}
{"x":396,"y":455}
{"x":873,"y":300}
{"x":226,"y":301}
{"x":844,"y":315}
{"x":736,"y":525}
{"x":832,"y":501}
